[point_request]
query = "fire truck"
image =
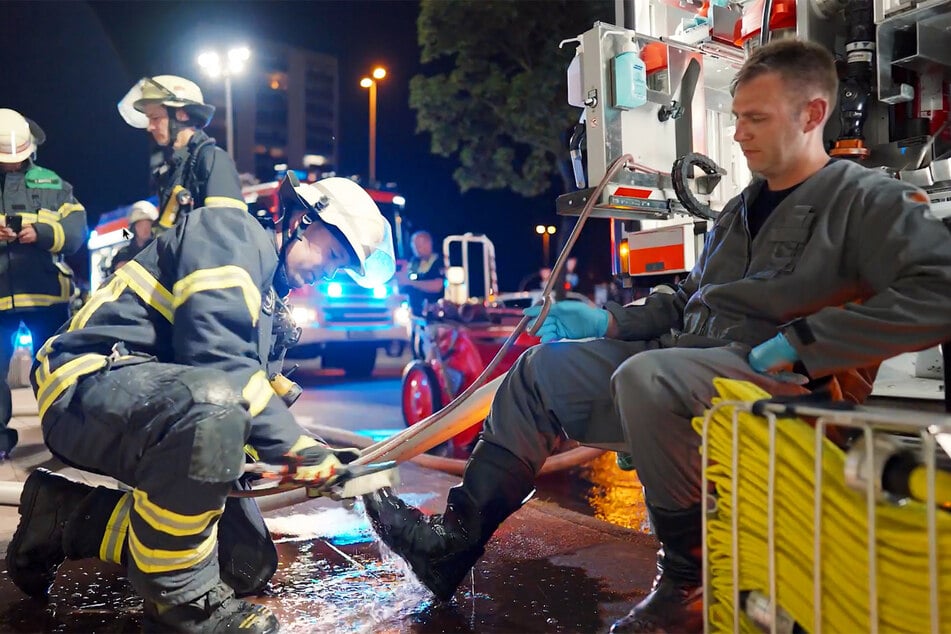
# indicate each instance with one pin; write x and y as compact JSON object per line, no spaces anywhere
{"x":342,"y":323}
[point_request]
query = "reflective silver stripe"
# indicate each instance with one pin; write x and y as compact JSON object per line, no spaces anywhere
{"x":116,"y":530}
{"x":157,"y":560}
{"x":170,"y":522}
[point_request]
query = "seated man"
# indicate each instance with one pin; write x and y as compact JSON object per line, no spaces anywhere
{"x":824,"y":264}
{"x":161,"y":380}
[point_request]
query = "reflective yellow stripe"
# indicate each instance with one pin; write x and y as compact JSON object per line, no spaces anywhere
{"x":57,"y":381}
{"x":224,"y":201}
{"x":153,"y":560}
{"x":116,"y":529}
{"x":216,"y":279}
{"x":24,"y":300}
{"x":108,"y":293}
{"x":147,"y":288}
{"x":59,"y":237}
{"x":257,"y":392}
{"x":170,"y":522}
{"x":32,"y":219}
{"x":44,"y":352}
{"x":67,"y":208}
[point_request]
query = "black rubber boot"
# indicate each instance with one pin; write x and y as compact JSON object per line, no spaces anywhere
{"x":58,"y":517}
{"x":675,"y":603}
{"x":441,"y":549}
{"x":216,"y":612}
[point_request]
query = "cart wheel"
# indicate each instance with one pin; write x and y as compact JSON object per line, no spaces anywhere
{"x":421,"y":393}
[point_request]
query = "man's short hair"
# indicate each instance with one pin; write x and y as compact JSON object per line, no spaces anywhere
{"x":803,"y":66}
{"x":422,"y":234}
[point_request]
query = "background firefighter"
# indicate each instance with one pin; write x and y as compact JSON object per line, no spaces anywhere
{"x":42,"y":222}
{"x":826,"y":265}
{"x":142,"y":217}
{"x":161,"y":381}
{"x":188,"y":168}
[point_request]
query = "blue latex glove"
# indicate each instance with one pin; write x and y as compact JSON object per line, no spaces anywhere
{"x":773,"y":354}
{"x":570,"y":320}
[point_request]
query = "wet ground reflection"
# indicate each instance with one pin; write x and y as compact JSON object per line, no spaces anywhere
{"x":333,"y":578}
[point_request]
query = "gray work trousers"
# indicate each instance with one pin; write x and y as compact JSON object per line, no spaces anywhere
{"x":631,"y":396}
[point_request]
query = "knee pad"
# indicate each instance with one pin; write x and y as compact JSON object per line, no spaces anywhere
{"x":209,"y":385}
{"x":220,"y":432}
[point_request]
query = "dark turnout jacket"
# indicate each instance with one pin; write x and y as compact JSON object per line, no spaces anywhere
{"x":201,"y":294}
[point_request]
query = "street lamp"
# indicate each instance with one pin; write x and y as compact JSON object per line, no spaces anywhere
{"x":234,"y":63}
{"x":546,"y":233}
{"x":370,"y":82}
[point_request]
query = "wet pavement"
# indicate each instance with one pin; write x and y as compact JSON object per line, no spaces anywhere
{"x":547,"y":570}
{"x":555,"y":566}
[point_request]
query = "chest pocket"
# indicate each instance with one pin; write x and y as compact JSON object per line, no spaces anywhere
{"x":786,"y":241}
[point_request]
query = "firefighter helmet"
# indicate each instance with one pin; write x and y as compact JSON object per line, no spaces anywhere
{"x":168,"y":90}
{"x":348,"y":208}
{"x":142,"y":210}
{"x":19,"y":136}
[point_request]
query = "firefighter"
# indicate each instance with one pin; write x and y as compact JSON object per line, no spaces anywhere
{"x":189,"y":169}
{"x":41,"y":223}
{"x":820,"y":265}
{"x":424,"y":277}
{"x":161,"y":381}
{"x":142,"y":217}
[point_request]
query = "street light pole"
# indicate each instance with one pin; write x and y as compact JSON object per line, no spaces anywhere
{"x":229,"y":116}
{"x":370,"y":83}
{"x":211,"y":62}
{"x":372,"y":133}
{"x":546,"y":233}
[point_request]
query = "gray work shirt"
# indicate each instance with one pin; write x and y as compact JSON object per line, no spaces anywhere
{"x":852,"y":267}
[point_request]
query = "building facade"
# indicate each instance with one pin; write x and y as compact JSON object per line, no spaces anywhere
{"x":286,"y":110}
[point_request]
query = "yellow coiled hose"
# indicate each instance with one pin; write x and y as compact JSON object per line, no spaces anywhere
{"x":902,"y":546}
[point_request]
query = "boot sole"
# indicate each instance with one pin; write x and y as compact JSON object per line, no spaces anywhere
{"x":27,"y":501}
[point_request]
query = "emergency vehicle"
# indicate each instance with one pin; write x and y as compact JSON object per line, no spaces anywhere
{"x":341,"y":322}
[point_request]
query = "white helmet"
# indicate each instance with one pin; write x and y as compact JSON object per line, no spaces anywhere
{"x":142,"y":210}
{"x":168,"y":90}
{"x":344,"y":205}
{"x":18,"y":136}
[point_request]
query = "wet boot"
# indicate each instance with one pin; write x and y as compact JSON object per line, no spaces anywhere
{"x":216,"y":612}
{"x":441,"y":549}
{"x":675,"y":603}
{"x":58,"y":518}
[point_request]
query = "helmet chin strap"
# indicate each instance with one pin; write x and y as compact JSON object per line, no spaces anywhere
{"x":310,"y":216}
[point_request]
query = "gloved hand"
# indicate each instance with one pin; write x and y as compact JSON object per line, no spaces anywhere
{"x":773,"y":354}
{"x":570,"y":320}
{"x":314,"y":463}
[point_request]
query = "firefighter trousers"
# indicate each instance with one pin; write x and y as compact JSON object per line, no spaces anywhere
{"x":631,"y":396}
{"x":176,"y":435}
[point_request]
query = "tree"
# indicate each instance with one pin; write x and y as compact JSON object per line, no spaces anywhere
{"x":498,"y":102}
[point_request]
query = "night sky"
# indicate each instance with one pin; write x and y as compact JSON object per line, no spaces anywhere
{"x":66,"y":64}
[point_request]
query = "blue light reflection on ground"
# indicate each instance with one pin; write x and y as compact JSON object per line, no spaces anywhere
{"x":376,"y":435}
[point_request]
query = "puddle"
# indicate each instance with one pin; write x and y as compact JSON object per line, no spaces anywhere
{"x":334,"y":577}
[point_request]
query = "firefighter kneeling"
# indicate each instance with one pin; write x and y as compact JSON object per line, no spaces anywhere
{"x":161,"y":380}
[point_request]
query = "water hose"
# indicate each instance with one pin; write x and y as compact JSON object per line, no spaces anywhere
{"x":901,"y":551}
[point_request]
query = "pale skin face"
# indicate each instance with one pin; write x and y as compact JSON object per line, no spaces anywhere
{"x":317,"y":255}
{"x":422,"y":246}
{"x":142,"y":229}
{"x":780,"y":130}
{"x":158,"y":125}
